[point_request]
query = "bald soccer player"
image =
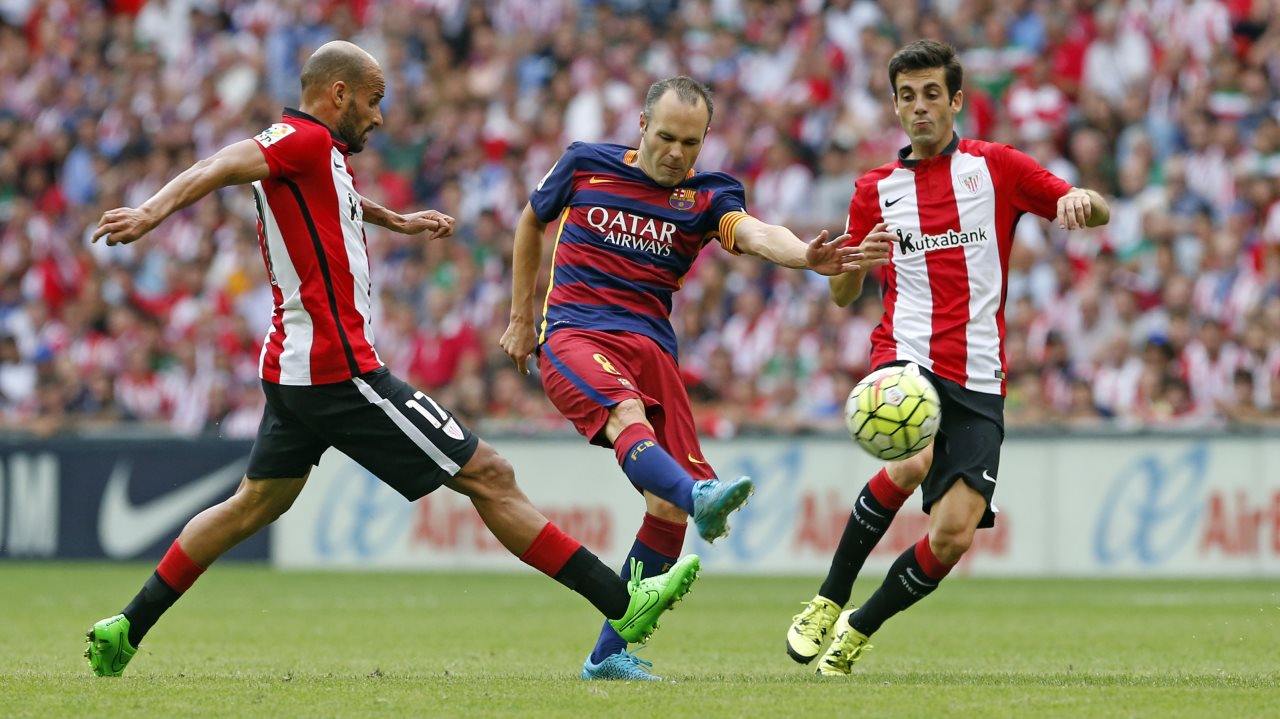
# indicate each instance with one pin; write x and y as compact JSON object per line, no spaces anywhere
{"x":324,"y":383}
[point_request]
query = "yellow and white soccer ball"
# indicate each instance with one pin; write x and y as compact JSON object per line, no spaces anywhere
{"x":894,"y":412}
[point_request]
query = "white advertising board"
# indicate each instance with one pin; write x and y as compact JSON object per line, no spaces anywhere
{"x":1077,"y":507}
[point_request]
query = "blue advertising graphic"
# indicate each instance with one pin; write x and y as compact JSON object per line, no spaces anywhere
{"x":361,"y":517}
{"x":768,"y":519}
{"x":1152,"y":507}
{"x":113,"y":499}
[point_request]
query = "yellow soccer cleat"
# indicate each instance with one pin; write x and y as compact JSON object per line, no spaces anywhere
{"x":845,"y":649}
{"x":809,"y":629}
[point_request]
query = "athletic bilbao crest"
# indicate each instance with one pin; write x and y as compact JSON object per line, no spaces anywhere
{"x":972,"y":181}
{"x":682,"y":198}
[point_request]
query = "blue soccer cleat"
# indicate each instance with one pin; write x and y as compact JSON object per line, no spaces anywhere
{"x":714,"y":500}
{"x":623,"y":666}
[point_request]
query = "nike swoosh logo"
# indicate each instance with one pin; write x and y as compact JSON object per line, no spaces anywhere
{"x":339,"y":166}
{"x":650,"y":598}
{"x":125,"y":528}
{"x":695,"y":461}
{"x":891,"y":203}
{"x":988,"y":477}
{"x":918,"y":580}
{"x":598,"y":180}
{"x":862,"y":501}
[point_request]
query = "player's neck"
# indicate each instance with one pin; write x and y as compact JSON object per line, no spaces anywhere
{"x":927,"y":152}
{"x":325,"y":115}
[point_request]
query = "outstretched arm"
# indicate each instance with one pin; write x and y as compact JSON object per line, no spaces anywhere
{"x":520,"y":338}
{"x":780,"y":246}
{"x":436,"y":224}
{"x":235,"y":164}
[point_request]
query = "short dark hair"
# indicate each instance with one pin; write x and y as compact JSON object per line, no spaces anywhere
{"x":687,"y":89}
{"x":926,"y":55}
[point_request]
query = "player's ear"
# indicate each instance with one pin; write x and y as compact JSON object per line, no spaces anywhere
{"x":957,"y":101}
{"x":338,"y":93}
{"x":644,"y":122}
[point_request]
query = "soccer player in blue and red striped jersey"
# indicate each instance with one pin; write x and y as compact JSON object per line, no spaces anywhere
{"x":631,"y":223}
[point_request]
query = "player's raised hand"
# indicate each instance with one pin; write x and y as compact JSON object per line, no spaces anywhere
{"x":518,"y":342}
{"x":1074,"y":209}
{"x":123,"y":225}
{"x":829,"y":256}
{"x":436,"y":224}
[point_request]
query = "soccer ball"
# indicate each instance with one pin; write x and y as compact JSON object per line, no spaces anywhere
{"x":893,"y":412}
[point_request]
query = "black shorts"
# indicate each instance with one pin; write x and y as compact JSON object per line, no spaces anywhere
{"x":396,"y":432}
{"x":967,"y":446}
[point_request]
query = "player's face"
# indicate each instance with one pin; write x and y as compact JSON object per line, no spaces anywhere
{"x":671,"y":138}
{"x":362,"y":111}
{"x":925,"y":110}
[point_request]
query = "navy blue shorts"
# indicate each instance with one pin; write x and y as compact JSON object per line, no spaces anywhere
{"x":399,"y":434}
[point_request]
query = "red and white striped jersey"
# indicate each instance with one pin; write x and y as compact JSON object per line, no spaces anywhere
{"x":944,"y":288}
{"x":311,"y":229}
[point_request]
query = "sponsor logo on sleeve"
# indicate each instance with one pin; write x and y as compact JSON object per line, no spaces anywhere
{"x":274,"y":134}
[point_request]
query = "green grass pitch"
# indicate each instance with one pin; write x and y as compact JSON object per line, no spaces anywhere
{"x":252,"y":642}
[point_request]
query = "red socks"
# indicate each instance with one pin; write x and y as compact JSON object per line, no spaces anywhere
{"x":177,"y":570}
{"x":929,"y":563}
{"x":662,"y":535}
{"x":550,"y":550}
{"x":888,"y":494}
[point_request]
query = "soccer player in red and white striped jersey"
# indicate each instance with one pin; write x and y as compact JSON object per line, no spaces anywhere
{"x":324,"y":382}
{"x":945,"y":210}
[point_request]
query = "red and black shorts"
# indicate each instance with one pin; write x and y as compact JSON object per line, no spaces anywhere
{"x":586,"y":373}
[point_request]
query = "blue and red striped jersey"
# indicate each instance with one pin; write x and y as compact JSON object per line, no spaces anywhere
{"x":625,"y":242}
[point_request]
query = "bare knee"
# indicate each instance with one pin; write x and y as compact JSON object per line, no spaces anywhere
{"x":623,"y":415}
{"x":258,"y":503}
{"x":953,"y":520}
{"x":488,"y":476}
{"x":910,"y":473}
{"x":949,"y":544}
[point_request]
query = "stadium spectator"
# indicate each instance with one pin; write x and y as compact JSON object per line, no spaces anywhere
{"x":102,"y":105}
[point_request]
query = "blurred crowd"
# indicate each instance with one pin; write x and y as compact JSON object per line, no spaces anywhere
{"x":1168,"y":317}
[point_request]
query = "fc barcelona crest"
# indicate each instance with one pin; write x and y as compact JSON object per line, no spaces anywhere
{"x":682,"y":198}
{"x":972,"y":181}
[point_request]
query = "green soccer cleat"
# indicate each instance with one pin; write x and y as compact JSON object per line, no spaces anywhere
{"x":109,"y":650}
{"x":714,"y":500}
{"x":845,"y":649}
{"x":653,"y":596}
{"x":809,"y":629}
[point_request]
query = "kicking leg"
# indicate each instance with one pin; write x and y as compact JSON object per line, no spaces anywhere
{"x":650,"y":467}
